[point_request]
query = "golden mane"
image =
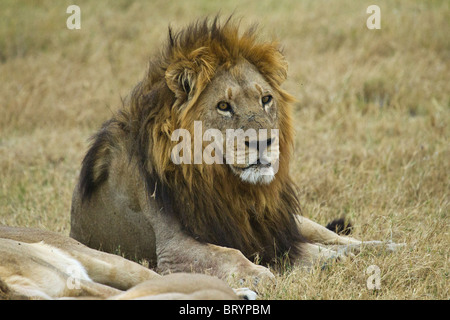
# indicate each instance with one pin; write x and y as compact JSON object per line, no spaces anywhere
{"x":213,"y":204}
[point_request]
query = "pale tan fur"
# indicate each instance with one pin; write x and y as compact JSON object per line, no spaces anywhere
{"x":37,"y":264}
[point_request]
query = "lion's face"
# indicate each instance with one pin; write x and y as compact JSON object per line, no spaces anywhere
{"x":242,"y":105}
{"x":230,"y":83}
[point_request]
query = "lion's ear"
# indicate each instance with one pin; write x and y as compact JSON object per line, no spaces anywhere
{"x":190,"y":74}
{"x":181,"y":80}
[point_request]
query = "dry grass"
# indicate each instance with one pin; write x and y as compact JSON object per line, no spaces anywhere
{"x":372,"y":120}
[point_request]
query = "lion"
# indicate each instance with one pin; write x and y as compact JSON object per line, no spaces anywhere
{"x":226,"y":219}
{"x":40,"y":264}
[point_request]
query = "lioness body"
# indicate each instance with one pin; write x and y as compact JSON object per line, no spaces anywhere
{"x":38,"y":264}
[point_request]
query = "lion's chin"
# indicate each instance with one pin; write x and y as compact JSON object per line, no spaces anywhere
{"x":255,"y":174}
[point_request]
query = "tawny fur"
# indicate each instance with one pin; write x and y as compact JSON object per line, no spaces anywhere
{"x":194,"y":217}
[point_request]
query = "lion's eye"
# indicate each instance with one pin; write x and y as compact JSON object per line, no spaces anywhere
{"x":266,"y":99}
{"x":223,"y":106}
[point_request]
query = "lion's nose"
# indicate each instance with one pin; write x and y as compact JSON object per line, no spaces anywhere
{"x":263,"y":163}
{"x":259,"y":144}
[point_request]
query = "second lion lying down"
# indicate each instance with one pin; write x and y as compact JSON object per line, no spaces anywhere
{"x":200,"y":217}
{"x":38,"y":264}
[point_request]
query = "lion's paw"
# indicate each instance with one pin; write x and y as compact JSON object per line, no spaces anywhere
{"x":252,"y":276}
{"x":245,"y":294}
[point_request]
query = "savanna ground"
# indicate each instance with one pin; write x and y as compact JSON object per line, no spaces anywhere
{"x":372,"y":120}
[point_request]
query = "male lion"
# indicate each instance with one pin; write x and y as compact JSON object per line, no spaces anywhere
{"x":132,"y":198}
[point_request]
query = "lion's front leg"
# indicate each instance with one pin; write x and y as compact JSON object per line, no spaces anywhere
{"x":317,"y":233}
{"x":177,"y":251}
{"x":184,"y":254}
{"x":329,"y":243}
{"x":312,"y":254}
